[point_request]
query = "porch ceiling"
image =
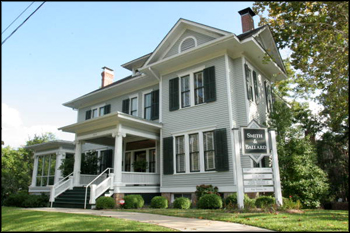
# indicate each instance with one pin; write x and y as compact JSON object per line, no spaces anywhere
{"x":111,"y":121}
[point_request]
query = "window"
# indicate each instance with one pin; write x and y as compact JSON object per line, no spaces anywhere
{"x":209,"y":150}
{"x":268,"y":96}
{"x":194,"y":153}
{"x":248,"y":82}
{"x":46,"y":170}
{"x":94,"y":113}
{"x":152,"y":161}
{"x":180,"y":154}
{"x":102,"y":111}
{"x":256,"y":88}
{"x":148,"y":106}
{"x":199,"y":88}
{"x":133,"y":106}
{"x":185,"y":91}
{"x":97,"y":111}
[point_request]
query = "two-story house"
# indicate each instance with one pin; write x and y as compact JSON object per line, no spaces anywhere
{"x":174,"y":114}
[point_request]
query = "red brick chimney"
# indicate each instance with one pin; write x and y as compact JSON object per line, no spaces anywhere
{"x":247,"y":19}
{"x":107,"y":76}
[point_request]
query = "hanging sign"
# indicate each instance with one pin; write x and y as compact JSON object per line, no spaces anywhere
{"x":255,"y":141}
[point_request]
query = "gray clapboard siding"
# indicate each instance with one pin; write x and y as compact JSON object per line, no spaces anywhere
{"x":201,"y":39}
{"x":117,"y":103}
{"x":204,"y":115}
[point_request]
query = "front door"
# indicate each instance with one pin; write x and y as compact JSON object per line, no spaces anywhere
{"x":106,"y":160}
{"x":140,"y":161}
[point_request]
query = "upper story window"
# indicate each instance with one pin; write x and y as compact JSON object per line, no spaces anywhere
{"x":192,"y":88}
{"x":133,"y":106}
{"x":187,"y":43}
{"x":97,"y":111}
{"x":256,"y":87}
{"x":248,"y":79}
{"x":147,"y":106}
{"x":268,"y":96}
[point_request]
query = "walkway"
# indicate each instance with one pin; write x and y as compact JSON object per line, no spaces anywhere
{"x":181,"y":224}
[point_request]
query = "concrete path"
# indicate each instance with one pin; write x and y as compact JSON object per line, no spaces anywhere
{"x":181,"y":224}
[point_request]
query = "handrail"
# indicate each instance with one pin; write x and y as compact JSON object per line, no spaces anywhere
{"x":55,"y":186}
{"x":63,"y":179}
{"x":86,"y":187}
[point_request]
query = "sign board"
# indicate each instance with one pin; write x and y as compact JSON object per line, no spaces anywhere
{"x":258,"y":189}
{"x":255,"y":141}
{"x":257,"y":182}
{"x":257,"y":170}
{"x":257,"y":176}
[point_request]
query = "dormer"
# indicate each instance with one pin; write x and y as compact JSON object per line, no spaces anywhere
{"x":134,"y":65}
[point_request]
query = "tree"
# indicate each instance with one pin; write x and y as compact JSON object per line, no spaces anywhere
{"x":17,"y":165}
{"x":317,"y":34}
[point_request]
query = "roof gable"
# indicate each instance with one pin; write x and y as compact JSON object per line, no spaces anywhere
{"x":178,"y":30}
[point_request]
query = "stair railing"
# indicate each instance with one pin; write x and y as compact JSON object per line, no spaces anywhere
{"x":60,"y":187}
{"x":93,"y":190}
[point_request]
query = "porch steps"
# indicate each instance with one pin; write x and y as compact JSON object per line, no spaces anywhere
{"x":73,"y":199}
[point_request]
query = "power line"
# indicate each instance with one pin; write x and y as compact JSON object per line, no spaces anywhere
{"x":17,"y":18}
{"x":21,"y":24}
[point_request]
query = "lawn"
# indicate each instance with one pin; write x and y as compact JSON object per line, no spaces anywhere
{"x":15,"y":219}
{"x":310,"y":220}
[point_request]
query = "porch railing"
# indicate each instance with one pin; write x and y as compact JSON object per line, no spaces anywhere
{"x":60,"y":187}
{"x":99,"y":185}
{"x":140,"y":178}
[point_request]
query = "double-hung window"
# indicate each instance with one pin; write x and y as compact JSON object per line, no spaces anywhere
{"x":209,"y":150}
{"x":185,"y":91}
{"x":133,"y":106}
{"x":180,"y":154}
{"x":256,"y":88}
{"x":249,"y":85}
{"x":199,"y":87}
{"x":97,"y":111}
{"x":147,"y":106}
{"x":194,"y":152}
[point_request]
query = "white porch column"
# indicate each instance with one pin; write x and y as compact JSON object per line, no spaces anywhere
{"x":35,"y":171}
{"x":239,"y":175}
{"x":77,"y":163}
{"x":58,"y":173}
{"x":118,"y":156}
{"x":276,"y":170}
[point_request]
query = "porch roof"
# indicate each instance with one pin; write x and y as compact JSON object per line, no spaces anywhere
{"x":112,"y":120}
{"x":51,"y":145}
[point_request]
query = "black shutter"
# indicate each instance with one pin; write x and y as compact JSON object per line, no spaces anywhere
{"x":88,"y":115}
{"x":155,"y":105}
{"x":209,"y":84}
{"x":221,"y":152}
{"x":173,"y":94}
{"x":126,"y":106}
{"x":107,"y":109}
{"x":168,"y":156}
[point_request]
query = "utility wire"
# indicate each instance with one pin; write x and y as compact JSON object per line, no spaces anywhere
{"x":17,"y":18}
{"x":21,"y":24}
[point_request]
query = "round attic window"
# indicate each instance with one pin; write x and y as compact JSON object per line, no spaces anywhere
{"x":187,"y":43}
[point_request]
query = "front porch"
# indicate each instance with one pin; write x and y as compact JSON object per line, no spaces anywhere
{"x":130,"y":140}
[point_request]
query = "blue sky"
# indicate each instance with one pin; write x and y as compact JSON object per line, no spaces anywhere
{"x":57,"y":55}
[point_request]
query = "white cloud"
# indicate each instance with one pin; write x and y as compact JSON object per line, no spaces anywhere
{"x":15,"y":134}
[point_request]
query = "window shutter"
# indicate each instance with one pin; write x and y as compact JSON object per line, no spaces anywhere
{"x":88,"y":115}
{"x":126,"y":106}
{"x":155,"y":105}
{"x":221,"y":151}
{"x":168,"y":157}
{"x":173,"y":94}
{"x":107,"y":109}
{"x":209,"y":84}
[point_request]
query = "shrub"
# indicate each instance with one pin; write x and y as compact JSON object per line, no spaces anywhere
{"x":210,"y":201}
{"x":23,"y":199}
{"x":264,"y":201}
{"x":231,"y":201}
{"x":16,"y":199}
{"x":182,"y":203}
{"x":133,"y":202}
{"x":248,"y":203}
{"x":105,"y":203}
{"x":288,"y":204}
{"x":206,"y":189}
{"x":159,"y":202}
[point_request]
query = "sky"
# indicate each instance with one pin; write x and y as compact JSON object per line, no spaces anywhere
{"x":57,"y":55}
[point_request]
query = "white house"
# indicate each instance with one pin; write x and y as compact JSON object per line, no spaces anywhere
{"x":177,"y":111}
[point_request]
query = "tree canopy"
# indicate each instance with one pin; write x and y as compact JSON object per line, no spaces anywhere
{"x":317,"y":33}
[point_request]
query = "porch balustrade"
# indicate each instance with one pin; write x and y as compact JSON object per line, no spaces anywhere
{"x":86,"y":178}
{"x":140,"y":178}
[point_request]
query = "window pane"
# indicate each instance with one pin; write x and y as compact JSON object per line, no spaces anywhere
{"x":198,"y":80}
{"x":148,"y":100}
{"x":51,"y":180}
{"x":94,"y":113}
{"x":180,"y":163}
{"x":134,"y":106}
{"x":195,"y":161}
{"x":185,"y":99}
{"x":40,"y":165}
{"x":185,"y":83}
{"x":193,"y":143}
{"x":199,"y":95}
{"x":52,"y":165}
{"x":46,"y":165}
{"x":208,"y":141}
{"x":102,"y":111}
{"x":44,"y":181}
{"x":152,"y":161}
{"x":210,"y":160}
{"x":180,"y":145}
{"x":38,"y":181}
{"x":148,"y":113}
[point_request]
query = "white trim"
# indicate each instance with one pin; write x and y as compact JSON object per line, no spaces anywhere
{"x":161,"y":57}
{"x":188,"y":37}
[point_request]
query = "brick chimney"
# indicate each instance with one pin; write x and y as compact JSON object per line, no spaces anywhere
{"x":247,"y":19}
{"x":107,"y":76}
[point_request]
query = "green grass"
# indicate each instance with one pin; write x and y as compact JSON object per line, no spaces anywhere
{"x":311,"y":220}
{"x":15,"y":219}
